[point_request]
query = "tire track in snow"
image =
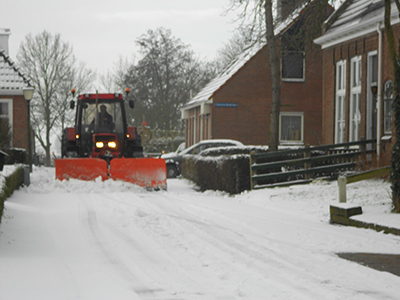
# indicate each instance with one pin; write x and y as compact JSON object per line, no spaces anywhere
{"x":251,"y":255}
{"x":111,"y":258}
{"x":162,"y":267}
{"x":294,"y":279}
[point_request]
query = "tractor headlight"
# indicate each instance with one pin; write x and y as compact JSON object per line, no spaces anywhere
{"x":112,"y":144}
{"x":99,"y":144}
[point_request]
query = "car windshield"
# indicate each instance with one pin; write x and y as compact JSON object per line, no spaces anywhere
{"x":188,"y":150}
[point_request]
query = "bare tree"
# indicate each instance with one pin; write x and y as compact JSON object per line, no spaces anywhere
{"x":263,"y":16}
{"x":394,"y":56}
{"x":113,"y":80}
{"x":240,"y":40}
{"x":80,"y":80}
{"x":51,"y":65}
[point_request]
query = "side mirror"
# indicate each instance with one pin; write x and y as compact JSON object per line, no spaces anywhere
{"x":72,"y":104}
{"x":131,"y":104}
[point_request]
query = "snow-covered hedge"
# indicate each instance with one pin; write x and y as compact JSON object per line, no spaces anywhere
{"x":225,"y":168}
{"x":229,"y":173}
{"x":8,"y":183}
{"x":16,"y":156}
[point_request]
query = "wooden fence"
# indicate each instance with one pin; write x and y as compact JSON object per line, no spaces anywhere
{"x":344,"y":180}
{"x":288,"y":167}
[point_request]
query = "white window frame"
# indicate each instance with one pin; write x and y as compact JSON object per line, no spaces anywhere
{"x":372,"y":78}
{"x":291,"y":114}
{"x":355,"y":98}
{"x":304,"y":68}
{"x":388,"y":107}
{"x":10,"y":111}
{"x":10,"y":114}
{"x":340,"y":102}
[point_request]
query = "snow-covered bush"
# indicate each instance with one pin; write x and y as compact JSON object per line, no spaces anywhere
{"x":16,"y":156}
{"x":8,"y":184}
{"x":229,"y":173}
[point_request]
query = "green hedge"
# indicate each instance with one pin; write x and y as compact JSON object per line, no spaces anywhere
{"x":16,"y":156}
{"x":12,"y":182}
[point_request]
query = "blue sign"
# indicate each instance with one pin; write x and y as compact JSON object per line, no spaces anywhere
{"x":226,"y":105}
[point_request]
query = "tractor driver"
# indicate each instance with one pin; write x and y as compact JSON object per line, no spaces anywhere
{"x":105,"y":119}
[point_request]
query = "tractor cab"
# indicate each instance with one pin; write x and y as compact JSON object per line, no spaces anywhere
{"x":101,"y":125}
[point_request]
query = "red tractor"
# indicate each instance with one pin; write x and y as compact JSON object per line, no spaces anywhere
{"x":101,"y":144}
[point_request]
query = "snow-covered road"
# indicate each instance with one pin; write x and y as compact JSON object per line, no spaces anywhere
{"x":111,"y":240}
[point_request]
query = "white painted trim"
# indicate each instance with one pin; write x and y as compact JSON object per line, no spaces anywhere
{"x":10,"y":114}
{"x":295,"y":114}
{"x":369,"y":105}
{"x":354,"y":31}
{"x":340,"y":93}
{"x":355,"y":89}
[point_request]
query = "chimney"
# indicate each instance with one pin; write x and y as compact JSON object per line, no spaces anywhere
{"x":4,"y":34}
{"x":286,"y":7}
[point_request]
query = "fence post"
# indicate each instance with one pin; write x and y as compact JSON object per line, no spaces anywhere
{"x":307,"y":154}
{"x":342,"y":181}
{"x":251,"y":170}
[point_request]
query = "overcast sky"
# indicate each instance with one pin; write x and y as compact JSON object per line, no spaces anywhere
{"x":102,"y":30}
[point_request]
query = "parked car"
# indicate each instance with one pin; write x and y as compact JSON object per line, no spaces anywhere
{"x":174,"y":160}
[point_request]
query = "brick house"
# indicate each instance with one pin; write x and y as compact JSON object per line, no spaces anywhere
{"x":358,"y":76}
{"x":13,"y":106}
{"x":237,"y":103}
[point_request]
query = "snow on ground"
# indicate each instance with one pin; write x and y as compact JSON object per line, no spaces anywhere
{"x":103,"y":240}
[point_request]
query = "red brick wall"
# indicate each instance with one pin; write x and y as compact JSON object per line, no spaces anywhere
{"x":345,"y":51}
{"x":250,"y":88}
{"x":20,"y":121}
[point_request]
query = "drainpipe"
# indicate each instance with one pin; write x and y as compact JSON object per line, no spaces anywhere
{"x":379,"y":94}
{"x":195,"y":126}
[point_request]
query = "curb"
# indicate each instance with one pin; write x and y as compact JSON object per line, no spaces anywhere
{"x":341,"y":214}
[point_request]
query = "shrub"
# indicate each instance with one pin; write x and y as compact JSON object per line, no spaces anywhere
{"x":16,"y":156}
{"x":5,"y":135}
{"x":224,"y":173}
{"x":12,"y":182}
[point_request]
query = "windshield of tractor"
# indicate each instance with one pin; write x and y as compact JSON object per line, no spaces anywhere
{"x":103,"y":117}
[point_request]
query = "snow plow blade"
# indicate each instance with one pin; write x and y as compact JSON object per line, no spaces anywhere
{"x":81,"y":168}
{"x":150,"y":173}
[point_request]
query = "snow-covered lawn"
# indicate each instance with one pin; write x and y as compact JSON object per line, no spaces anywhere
{"x":112,"y":240}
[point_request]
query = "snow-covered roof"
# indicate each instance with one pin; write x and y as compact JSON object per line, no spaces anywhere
{"x":12,"y":80}
{"x":236,"y":64}
{"x":353,"y":19}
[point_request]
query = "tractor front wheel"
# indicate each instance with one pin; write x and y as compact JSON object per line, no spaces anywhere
{"x":172,"y":171}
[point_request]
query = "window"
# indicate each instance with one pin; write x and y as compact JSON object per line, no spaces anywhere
{"x":355,"y":99}
{"x":372,"y":77}
{"x":388,"y":100}
{"x":293,"y":66}
{"x":340,"y":121}
{"x":6,"y":112}
{"x":291,"y":127}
